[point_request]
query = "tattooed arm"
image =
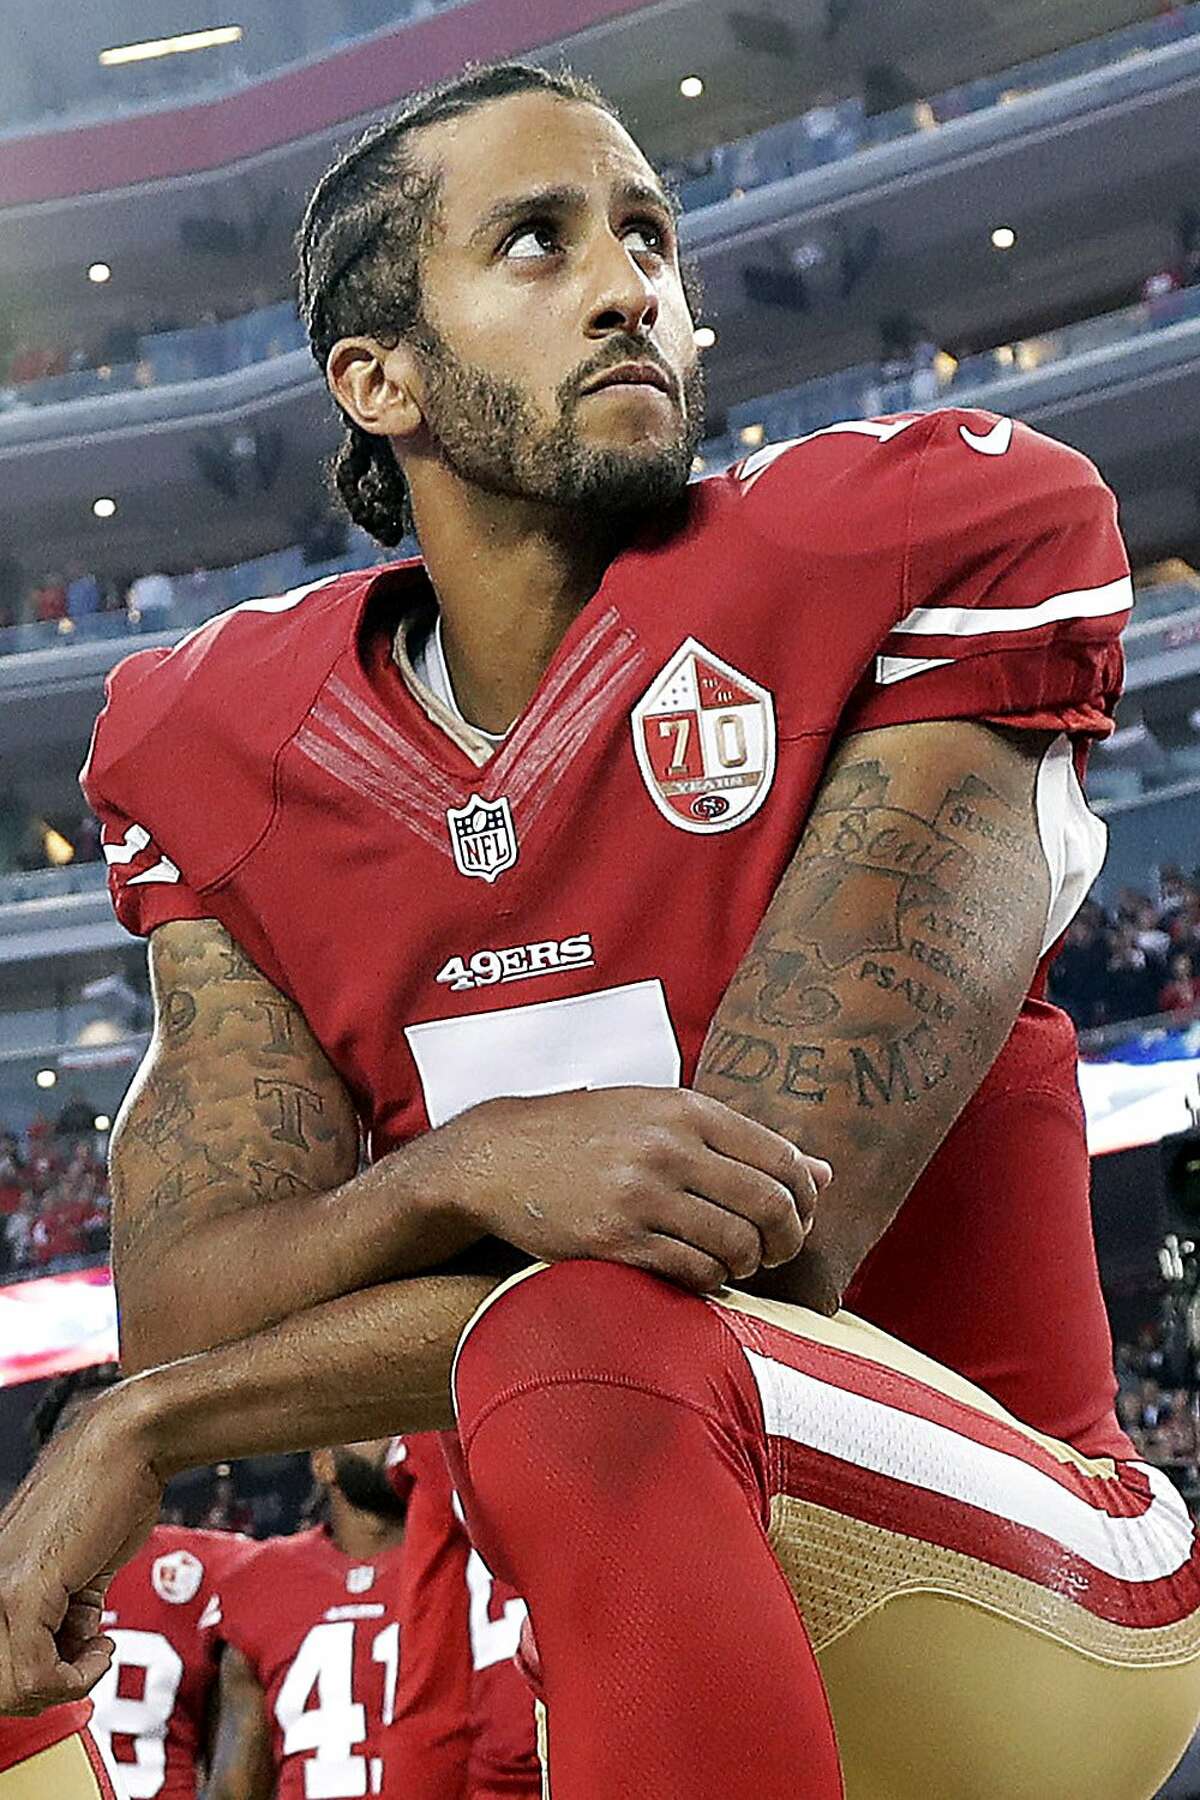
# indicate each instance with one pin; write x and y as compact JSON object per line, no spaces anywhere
{"x":236,"y":1204}
{"x":233,"y":1164}
{"x":887,"y":972}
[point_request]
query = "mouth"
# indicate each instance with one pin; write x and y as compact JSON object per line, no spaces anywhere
{"x":635,"y":375}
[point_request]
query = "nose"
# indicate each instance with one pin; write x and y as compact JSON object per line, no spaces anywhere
{"x":624,"y":297}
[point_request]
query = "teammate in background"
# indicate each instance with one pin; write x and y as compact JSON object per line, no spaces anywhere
{"x":319,"y":1673}
{"x":768,"y":785}
{"x":504,"y":1753}
{"x":457,"y":1601}
{"x":153,"y":1713}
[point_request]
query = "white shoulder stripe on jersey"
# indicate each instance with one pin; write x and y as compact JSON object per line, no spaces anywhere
{"x":899,"y":668}
{"x":163,"y":870}
{"x":272,"y":603}
{"x":923,"y":1454}
{"x":131,"y":845}
{"x":882,"y":431}
{"x":979,"y":621}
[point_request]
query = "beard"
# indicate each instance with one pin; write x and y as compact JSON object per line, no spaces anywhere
{"x":490,"y":436}
{"x":367,"y":1487}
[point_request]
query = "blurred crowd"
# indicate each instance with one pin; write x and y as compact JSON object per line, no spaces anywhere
{"x":1158,"y":1404}
{"x":1133,"y":960}
{"x":54,"y":1205}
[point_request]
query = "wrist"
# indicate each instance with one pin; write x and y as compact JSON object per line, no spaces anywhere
{"x":449,"y":1174}
{"x":147,"y":1417}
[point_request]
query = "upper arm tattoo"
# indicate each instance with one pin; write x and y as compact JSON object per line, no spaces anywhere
{"x":236,"y":1104}
{"x":896,"y":953}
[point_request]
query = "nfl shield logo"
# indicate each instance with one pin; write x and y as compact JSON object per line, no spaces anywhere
{"x":483,"y":837}
{"x":704,"y":736}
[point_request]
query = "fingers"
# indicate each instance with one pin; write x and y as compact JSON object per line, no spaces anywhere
{"x":759,"y":1149}
{"x":779,"y":1213}
{"x":80,"y":1626}
{"x":34,"y":1676}
{"x":92,"y":1660}
{"x":674,"y":1261}
{"x":719,"y":1217}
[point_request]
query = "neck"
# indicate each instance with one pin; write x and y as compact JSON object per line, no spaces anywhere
{"x":361,"y":1535}
{"x":509,"y":581}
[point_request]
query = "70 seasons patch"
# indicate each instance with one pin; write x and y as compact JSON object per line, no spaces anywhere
{"x":704,"y":738}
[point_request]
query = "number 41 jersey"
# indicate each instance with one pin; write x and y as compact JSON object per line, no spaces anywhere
{"x":322,"y":1636}
{"x":568,"y":911}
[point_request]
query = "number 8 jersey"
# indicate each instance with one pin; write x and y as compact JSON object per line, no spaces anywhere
{"x":152,"y":1708}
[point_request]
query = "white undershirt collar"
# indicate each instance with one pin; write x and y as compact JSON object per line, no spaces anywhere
{"x":429,"y":665}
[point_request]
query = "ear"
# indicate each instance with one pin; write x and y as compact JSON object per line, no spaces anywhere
{"x":378,"y":387}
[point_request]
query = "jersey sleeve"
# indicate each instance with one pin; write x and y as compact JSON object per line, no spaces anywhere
{"x":146,"y":887}
{"x":1015,"y":587}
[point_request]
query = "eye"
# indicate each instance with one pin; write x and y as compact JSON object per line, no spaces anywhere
{"x":653,"y":235}
{"x":531,"y":242}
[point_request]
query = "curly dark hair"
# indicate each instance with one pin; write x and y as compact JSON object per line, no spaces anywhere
{"x":359,"y":252}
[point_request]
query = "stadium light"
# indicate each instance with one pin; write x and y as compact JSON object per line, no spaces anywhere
{"x":46,"y":1078}
{"x":98,"y":272}
{"x":1004,"y":237}
{"x":104,"y":508}
{"x":171,"y":46}
{"x":102,"y":1122}
{"x":691,"y":87}
{"x":706,"y":337}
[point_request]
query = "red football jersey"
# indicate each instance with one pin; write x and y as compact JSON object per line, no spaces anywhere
{"x":434,"y":1712}
{"x":22,"y":1738}
{"x":504,"y":1757}
{"x":471,"y":1624}
{"x":326,"y":1638}
{"x":570,"y":912}
{"x":162,"y":1612}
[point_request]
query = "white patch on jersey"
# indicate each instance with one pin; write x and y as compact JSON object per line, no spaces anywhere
{"x":899,"y":668}
{"x":482,"y":837}
{"x":704,"y":738}
{"x":163,"y":870}
{"x":523,"y":962}
{"x":992,"y":443}
{"x":176,"y":1577}
{"x":367,"y":1609}
{"x":272,"y":603}
{"x":360,"y":1580}
{"x":132,"y":844}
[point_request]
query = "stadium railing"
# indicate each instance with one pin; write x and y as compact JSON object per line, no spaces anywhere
{"x":831,"y":134}
{"x":864,"y":391}
{"x":774,"y":154}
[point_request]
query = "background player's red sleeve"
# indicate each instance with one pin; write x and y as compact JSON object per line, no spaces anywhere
{"x":433,"y":1705}
{"x":1016,"y":587}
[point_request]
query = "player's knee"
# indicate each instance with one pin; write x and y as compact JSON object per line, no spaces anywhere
{"x":585,"y":1321}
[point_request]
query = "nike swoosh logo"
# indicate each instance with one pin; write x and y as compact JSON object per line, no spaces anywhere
{"x":994,"y":442}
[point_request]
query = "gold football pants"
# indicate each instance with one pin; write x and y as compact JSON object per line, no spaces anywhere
{"x":65,"y":1771}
